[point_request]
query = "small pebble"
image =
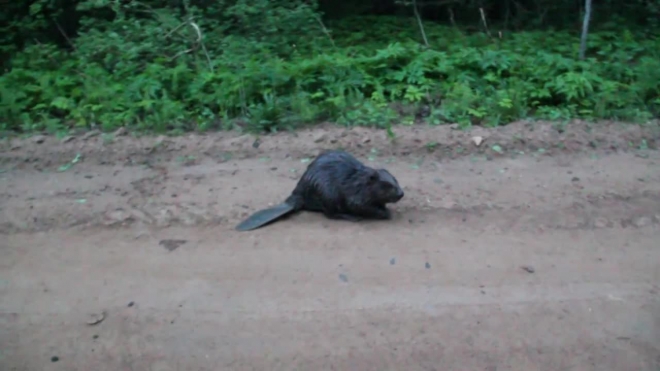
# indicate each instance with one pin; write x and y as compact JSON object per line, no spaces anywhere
{"x":131,"y":304}
{"x":601,"y":223}
{"x":392,"y":261}
{"x":642,"y":222}
{"x":427,"y":265}
{"x":172,"y":245}
{"x":343,"y":277}
{"x":54,"y":358}
{"x":90,"y":134}
{"x":528,"y":269}
{"x":39,"y":139}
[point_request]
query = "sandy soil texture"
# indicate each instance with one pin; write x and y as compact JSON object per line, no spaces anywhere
{"x":538,"y":249}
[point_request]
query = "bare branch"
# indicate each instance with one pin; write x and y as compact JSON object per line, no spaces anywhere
{"x":585,"y":29}
{"x":483,"y":19}
{"x":177,"y":55}
{"x":418,"y":17}
{"x":419,"y":22}
{"x":199,"y":32}
{"x":325,"y":31}
{"x":451,"y":18}
{"x":68,"y":40}
{"x":199,"y":42}
{"x":179,"y":27}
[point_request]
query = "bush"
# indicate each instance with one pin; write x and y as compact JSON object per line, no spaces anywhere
{"x":161,"y":72}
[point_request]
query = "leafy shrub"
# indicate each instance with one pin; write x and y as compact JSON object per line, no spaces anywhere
{"x":163,"y":72}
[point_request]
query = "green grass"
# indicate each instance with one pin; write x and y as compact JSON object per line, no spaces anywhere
{"x":372,"y":71}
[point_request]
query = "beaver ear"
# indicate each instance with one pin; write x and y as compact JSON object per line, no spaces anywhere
{"x":373,"y":175}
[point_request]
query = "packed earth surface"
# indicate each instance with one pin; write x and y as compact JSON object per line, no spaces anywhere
{"x":534,"y":246}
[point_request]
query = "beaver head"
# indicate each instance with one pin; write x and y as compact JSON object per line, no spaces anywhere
{"x":384,"y":187}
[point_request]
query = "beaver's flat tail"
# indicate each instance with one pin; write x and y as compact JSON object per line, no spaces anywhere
{"x":265,"y":216}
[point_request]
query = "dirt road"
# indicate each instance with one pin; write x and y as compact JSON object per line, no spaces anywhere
{"x":537,"y":250}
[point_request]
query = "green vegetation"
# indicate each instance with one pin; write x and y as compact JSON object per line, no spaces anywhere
{"x":269,"y":65}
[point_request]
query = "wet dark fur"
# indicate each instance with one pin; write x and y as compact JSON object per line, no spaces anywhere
{"x":339,"y":186}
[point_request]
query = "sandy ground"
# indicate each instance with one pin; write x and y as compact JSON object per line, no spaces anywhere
{"x":537,"y":250}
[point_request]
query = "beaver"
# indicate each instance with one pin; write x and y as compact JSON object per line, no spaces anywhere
{"x":339,"y":186}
